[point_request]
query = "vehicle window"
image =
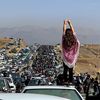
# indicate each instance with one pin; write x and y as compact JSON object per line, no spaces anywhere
{"x":2,"y":83}
{"x":7,"y":84}
{"x":36,"y":82}
{"x":9,"y":80}
{"x":70,"y":94}
{"x":32,"y":82}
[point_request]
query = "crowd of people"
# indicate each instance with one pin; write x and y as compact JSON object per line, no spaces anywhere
{"x":44,"y":66}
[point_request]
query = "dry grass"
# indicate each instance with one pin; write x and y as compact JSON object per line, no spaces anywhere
{"x":3,"y":41}
{"x":88,"y":60}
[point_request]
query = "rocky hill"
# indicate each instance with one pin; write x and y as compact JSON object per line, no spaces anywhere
{"x":3,"y":42}
{"x":11,"y":44}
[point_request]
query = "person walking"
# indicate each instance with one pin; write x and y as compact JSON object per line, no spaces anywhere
{"x":70,"y":50}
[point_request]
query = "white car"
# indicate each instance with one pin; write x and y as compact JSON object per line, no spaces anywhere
{"x":22,"y":96}
{"x":60,"y":91}
{"x":11,"y":83}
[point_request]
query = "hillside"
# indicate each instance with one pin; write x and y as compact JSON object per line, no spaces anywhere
{"x":88,"y":60}
{"x":3,"y":41}
{"x":11,"y":44}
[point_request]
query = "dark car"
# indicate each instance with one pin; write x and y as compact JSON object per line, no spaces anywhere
{"x":37,"y":81}
{"x":92,"y":94}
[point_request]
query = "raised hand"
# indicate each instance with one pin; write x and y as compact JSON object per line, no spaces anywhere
{"x":65,"y":21}
{"x":69,"y":21}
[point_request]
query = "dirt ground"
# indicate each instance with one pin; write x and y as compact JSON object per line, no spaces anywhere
{"x":89,"y":59}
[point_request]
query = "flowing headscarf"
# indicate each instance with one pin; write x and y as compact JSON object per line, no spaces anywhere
{"x":70,"y":48}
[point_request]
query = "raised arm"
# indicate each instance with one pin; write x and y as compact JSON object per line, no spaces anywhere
{"x":64,"y":26}
{"x":71,"y":26}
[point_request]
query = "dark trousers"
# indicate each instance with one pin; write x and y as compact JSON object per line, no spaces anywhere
{"x":68,"y":73}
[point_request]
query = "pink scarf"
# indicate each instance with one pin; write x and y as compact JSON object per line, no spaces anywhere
{"x":70,"y":55}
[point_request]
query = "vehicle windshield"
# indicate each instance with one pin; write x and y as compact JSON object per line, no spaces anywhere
{"x":69,"y":94}
{"x":36,"y":82}
{"x":2,"y":84}
{"x":9,"y":80}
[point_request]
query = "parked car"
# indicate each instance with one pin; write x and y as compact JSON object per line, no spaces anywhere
{"x":4,"y":85}
{"x":11,"y":83}
{"x":37,"y":81}
{"x":92,"y":94}
{"x":20,"y":96}
{"x":61,"y":91}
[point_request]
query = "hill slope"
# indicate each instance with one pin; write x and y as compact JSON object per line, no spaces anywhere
{"x":88,"y":60}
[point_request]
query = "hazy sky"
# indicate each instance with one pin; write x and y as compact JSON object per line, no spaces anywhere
{"x":84,"y":14}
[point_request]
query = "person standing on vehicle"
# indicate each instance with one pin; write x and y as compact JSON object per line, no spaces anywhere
{"x":70,"y":50}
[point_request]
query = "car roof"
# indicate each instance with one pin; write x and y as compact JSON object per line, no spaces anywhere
{"x":7,"y":77}
{"x":52,"y":87}
{"x":36,"y":78}
{"x":21,"y":96}
{"x":1,"y":78}
{"x":49,"y":87}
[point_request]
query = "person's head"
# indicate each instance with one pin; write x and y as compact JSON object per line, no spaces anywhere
{"x":68,"y":31}
{"x":69,"y":38}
